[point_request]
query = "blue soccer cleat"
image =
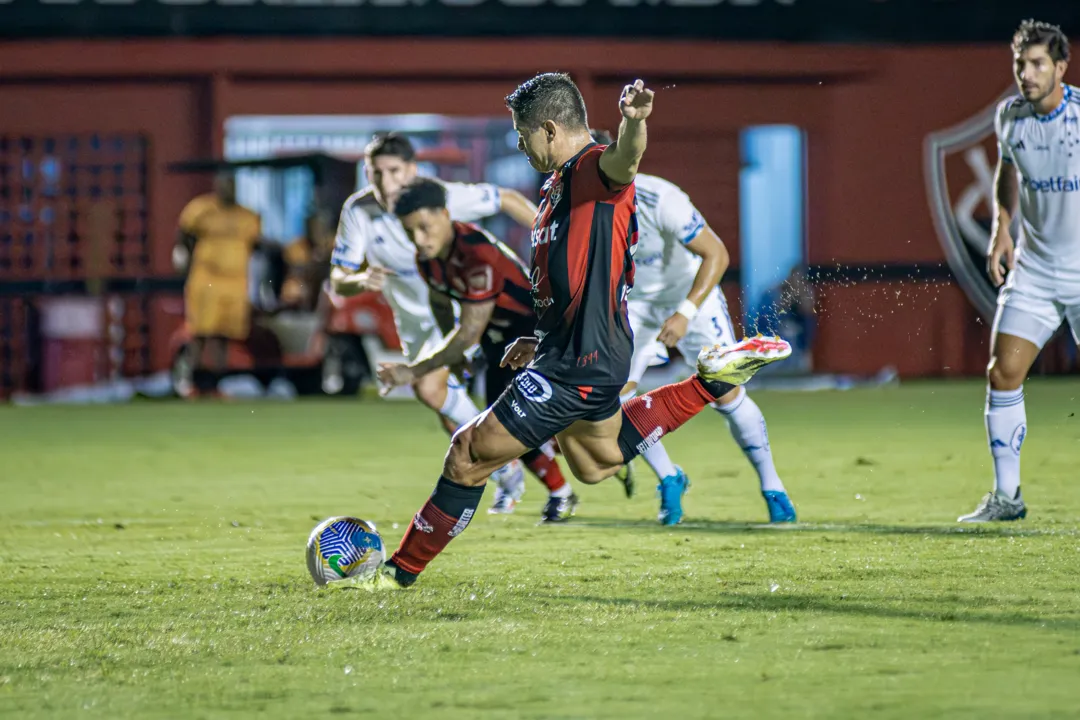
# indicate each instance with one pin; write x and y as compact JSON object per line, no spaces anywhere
{"x":780,"y":508}
{"x":671,"y":490}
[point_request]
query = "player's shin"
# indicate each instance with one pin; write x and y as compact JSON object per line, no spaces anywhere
{"x":649,"y":417}
{"x":656,"y":456}
{"x":1006,"y":427}
{"x":747,"y":426}
{"x":443,"y":517}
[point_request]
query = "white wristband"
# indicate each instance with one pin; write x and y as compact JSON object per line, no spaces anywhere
{"x":687,"y":309}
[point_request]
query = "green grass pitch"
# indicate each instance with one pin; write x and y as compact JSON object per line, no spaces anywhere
{"x":152,"y":565}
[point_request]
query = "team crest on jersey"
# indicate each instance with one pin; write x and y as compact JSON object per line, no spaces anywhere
{"x":958,"y":163}
{"x":554,"y":190}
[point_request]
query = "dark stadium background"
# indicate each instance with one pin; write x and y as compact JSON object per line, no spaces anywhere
{"x":131,"y":88}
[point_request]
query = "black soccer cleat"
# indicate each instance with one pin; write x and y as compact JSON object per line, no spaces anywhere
{"x":390,"y":576}
{"x":559,"y":509}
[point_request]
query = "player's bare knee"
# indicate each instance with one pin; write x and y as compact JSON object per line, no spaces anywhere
{"x":459,"y":465}
{"x":1004,"y":373}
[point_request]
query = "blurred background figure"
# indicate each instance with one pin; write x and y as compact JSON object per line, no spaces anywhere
{"x":307,"y":262}
{"x":790,"y":314}
{"x":214,"y":246}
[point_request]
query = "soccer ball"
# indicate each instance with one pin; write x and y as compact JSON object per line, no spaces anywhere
{"x":344,"y":547}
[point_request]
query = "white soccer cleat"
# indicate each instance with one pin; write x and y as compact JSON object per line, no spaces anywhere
{"x":736,"y":364}
{"x":996,"y":508}
{"x":509,"y":483}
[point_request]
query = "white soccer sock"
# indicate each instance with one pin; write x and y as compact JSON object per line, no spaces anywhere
{"x":747,"y":426}
{"x":564,"y":492}
{"x":656,"y":456}
{"x":1006,"y":426}
{"x":459,"y":407}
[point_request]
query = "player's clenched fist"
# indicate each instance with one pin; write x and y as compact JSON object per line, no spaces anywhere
{"x":520,"y":353}
{"x":636,"y":101}
{"x":1002,"y":250}
{"x":374,"y":279}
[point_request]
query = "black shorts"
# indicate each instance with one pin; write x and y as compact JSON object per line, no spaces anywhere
{"x":534,"y":409}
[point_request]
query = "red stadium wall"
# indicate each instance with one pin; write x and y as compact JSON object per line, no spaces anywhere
{"x":866,"y":111}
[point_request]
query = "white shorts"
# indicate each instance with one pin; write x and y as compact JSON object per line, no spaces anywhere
{"x":711,"y":326}
{"x":1031,"y":305}
{"x":418,"y":340}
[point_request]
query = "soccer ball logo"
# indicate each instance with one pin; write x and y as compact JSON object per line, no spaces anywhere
{"x":344,"y":547}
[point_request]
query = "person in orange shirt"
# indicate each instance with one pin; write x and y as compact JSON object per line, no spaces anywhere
{"x":215,"y":243}
{"x":308,"y":261}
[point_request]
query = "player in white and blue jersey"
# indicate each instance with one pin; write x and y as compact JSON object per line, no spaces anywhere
{"x":676,"y":302}
{"x":1039,"y":165}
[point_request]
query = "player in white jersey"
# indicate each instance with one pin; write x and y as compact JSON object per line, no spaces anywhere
{"x":676,"y":302}
{"x":1039,"y":164}
{"x":373,"y":252}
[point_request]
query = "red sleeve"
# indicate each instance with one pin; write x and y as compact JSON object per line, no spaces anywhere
{"x":482,"y":274}
{"x":590,"y":183}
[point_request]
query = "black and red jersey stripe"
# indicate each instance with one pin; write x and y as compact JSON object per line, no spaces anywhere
{"x":582,"y":269}
{"x":479,"y":268}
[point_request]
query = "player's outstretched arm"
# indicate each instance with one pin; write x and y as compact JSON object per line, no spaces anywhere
{"x":1002,"y":247}
{"x":517,"y":206}
{"x":475,"y":316}
{"x":347,"y":283}
{"x":620,"y":160}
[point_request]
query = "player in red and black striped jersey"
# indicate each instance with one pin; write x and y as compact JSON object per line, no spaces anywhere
{"x":578,"y":362}
{"x":461,"y":262}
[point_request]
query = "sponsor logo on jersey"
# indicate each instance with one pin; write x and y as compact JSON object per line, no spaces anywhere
{"x":543,"y":235}
{"x":1054,"y":184}
{"x":958,"y":166}
{"x":540,"y":302}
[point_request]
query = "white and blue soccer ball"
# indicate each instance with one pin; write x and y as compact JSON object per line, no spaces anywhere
{"x":341,"y":548}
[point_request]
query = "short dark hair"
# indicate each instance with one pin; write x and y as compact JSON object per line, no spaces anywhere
{"x":601,"y":136}
{"x":548,"y":96}
{"x":1034,"y":32}
{"x":391,"y":144}
{"x":421,"y":193}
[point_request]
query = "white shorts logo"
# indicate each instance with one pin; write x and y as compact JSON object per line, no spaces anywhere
{"x":534,"y":386}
